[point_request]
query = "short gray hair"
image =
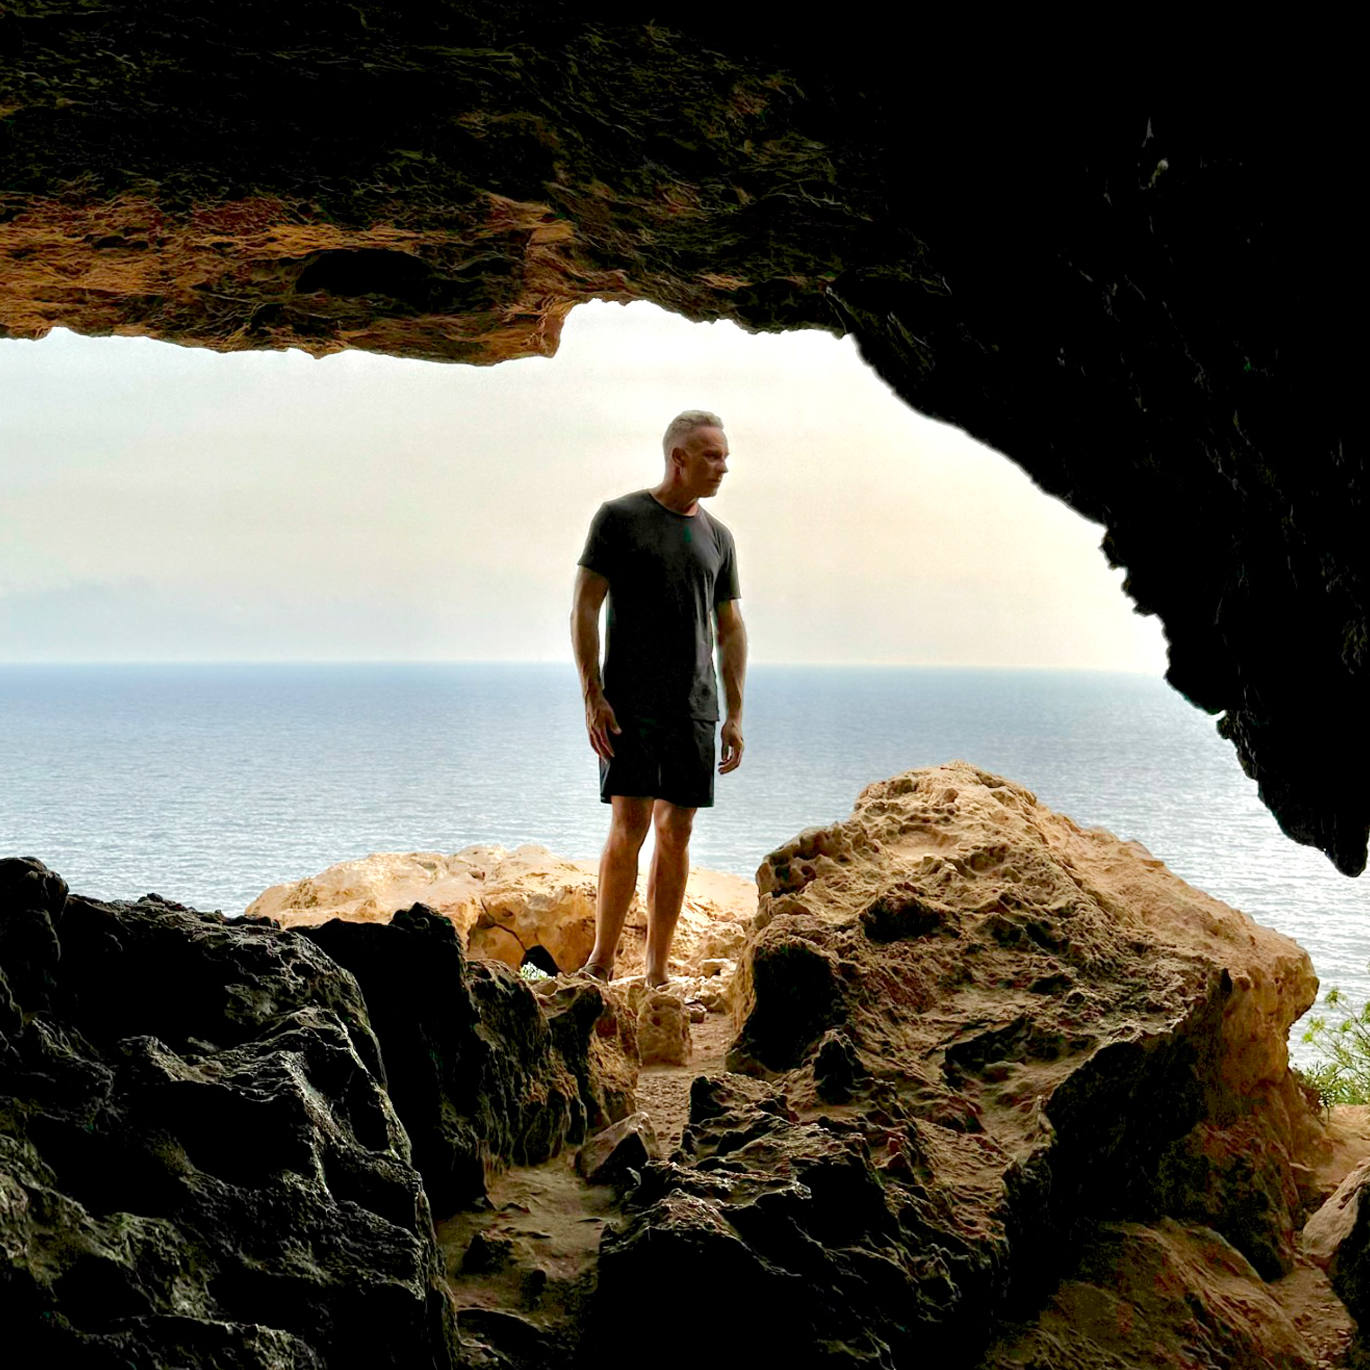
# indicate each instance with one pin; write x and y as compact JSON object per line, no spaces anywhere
{"x":684,"y":424}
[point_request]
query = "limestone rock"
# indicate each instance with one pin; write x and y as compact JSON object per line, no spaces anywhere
{"x":976,"y":1030}
{"x":1162,"y":1295}
{"x":481,"y":1073}
{"x":506,"y":903}
{"x":663,"y":1029}
{"x":625,"y":1146}
{"x":198,"y":1163}
{"x":1337,"y":1238}
{"x":503,"y":903}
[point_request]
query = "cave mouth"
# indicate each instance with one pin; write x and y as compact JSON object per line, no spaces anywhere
{"x":1144,"y":309}
{"x":275,"y":506}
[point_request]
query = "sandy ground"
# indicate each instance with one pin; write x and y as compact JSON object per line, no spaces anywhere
{"x":531,"y":1253}
{"x":663,"y":1092}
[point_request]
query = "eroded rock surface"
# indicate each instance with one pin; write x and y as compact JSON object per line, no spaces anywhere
{"x":974,"y":1032}
{"x":1159,"y":1295}
{"x":1337,"y":1239}
{"x":223,"y":1143}
{"x":507,"y":903}
{"x":1003,"y":1092}
{"x":1146,"y":310}
{"x":198,"y":1162}
{"x":481,"y":1073}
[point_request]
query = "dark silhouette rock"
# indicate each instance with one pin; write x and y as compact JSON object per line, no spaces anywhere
{"x":198,"y":1162}
{"x":481,"y":1073}
{"x":619,"y":1153}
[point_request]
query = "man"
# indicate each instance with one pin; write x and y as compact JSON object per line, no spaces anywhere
{"x":670,"y":573}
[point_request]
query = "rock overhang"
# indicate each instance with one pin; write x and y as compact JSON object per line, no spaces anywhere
{"x":1145,"y":312}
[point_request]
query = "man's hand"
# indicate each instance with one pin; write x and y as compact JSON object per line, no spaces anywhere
{"x":732,"y":662}
{"x":731,"y":740}
{"x":599,"y":723}
{"x":591,"y":588}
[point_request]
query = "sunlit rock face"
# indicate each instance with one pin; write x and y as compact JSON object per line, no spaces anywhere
{"x":988,"y":1062}
{"x":1146,"y":314}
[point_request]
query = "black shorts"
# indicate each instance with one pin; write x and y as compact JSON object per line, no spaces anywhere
{"x":671,"y":761}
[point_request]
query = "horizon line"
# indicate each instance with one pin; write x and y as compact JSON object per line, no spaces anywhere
{"x":551,"y":661}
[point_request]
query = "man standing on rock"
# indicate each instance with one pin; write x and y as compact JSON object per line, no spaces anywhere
{"x":670,"y":573}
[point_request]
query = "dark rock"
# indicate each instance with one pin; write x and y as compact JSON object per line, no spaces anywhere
{"x":798,"y":995}
{"x":1236,"y":1182}
{"x":623,"y":1149}
{"x":509,"y":1341}
{"x":487,"y":1253}
{"x":480,"y":1074}
{"x":837,"y":1068}
{"x":198,"y":1162}
{"x":26,"y":883}
{"x":1161,"y":1294}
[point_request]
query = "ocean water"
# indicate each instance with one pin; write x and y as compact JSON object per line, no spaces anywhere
{"x":209,"y":783}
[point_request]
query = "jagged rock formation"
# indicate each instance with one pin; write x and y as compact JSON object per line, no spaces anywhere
{"x":506,"y":903}
{"x":998,"y":1083}
{"x":1146,"y":312}
{"x":205,"y":1150}
{"x":479,"y":1072}
{"x":1337,"y":1238}
{"x":987,"y":1060}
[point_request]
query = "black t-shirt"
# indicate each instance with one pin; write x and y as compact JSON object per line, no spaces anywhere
{"x":667,"y":573}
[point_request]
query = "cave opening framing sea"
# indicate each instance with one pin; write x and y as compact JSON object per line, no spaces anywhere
{"x":209,"y":783}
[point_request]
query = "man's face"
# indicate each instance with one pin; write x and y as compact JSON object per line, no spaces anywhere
{"x":703,"y":460}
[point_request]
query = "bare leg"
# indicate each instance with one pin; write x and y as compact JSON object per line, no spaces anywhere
{"x":666,"y":883}
{"x":617,"y":880}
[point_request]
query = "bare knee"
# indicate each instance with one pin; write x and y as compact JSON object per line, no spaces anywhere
{"x":673,"y":826}
{"x":629,"y":824}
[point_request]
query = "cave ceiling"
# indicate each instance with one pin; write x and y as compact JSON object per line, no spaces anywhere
{"x":1151,"y":314}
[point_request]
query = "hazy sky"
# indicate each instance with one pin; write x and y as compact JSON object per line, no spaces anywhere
{"x":167,"y":503}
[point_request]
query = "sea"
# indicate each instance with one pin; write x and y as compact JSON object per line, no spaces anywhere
{"x":209,"y":783}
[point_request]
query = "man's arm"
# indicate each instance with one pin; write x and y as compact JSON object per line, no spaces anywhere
{"x":591,"y":587}
{"x":732,"y":662}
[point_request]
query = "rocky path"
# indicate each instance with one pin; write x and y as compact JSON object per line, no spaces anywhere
{"x":522,"y":1270}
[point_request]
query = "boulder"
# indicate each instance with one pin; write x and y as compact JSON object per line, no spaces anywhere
{"x":221,"y":1141}
{"x":626,"y":1146}
{"x":976,"y":1032}
{"x":1337,"y":1238}
{"x":1167,"y":1294}
{"x":502,"y":903}
{"x":482,"y":1073}
{"x":663,"y":1029}
{"x":199,"y":1165}
{"x":505,"y":904}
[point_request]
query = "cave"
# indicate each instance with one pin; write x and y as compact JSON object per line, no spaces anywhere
{"x":1144,"y":309}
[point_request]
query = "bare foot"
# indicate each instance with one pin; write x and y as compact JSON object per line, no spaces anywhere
{"x":596,"y":972}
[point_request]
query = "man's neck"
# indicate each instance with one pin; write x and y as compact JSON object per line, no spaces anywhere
{"x":675,"y":499}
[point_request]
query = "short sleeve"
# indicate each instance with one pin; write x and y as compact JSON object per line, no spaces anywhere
{"x":726,"y":586}
{"x":598,"y":555}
